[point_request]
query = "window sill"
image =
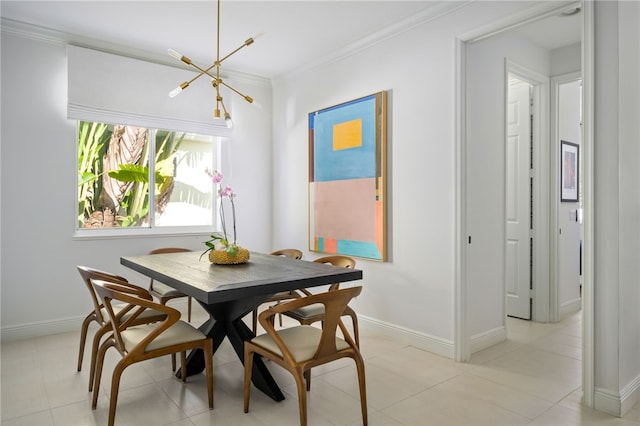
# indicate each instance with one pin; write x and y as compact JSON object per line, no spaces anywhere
{"x":123,"y":233}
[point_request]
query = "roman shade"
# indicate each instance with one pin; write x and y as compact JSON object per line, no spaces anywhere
{"x":109,"y":88}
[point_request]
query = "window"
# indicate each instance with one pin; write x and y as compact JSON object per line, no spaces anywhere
{"x":121,"y":168}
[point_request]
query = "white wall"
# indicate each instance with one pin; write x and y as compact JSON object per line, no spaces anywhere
{"x":414,"y":289}
{"x":617,"y":205}
{"x":41,"y":289}
{"x":565,"y":59}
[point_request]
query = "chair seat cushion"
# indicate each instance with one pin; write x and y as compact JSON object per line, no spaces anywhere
{"x":180,"y":332}
{"x":164,"y":290}
{"x":302,"y":342}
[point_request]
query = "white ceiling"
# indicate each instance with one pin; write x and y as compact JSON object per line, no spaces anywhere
{"x":554,"y":31}
{"x":291,"y":33}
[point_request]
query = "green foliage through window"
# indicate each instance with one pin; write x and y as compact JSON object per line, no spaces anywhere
{"x":115,"y":177}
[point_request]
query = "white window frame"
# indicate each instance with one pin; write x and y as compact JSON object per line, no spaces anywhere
{"x":152,"y":229}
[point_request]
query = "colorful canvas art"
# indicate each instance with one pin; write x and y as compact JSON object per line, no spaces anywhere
{"x":347,"y":162}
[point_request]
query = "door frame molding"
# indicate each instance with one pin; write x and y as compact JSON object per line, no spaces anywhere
{"x":588,"y":300}
{"x":462,"y":346}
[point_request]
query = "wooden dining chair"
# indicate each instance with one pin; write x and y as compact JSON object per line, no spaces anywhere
{"x":283,"y":295}
{"x":143,"y":342}
{"x":300,"y":348}
{"x":308,"y":315}
{"x":163,"y":292}
{"x":99,"y":315}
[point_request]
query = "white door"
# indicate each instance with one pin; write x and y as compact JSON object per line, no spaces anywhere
{"x":518,"y":200}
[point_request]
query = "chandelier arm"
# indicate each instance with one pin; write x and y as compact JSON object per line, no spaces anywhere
{"x":227,"y":117}
{"x":224,"y":108}
{"x":245,"y":44}
{"x":246,"y":97}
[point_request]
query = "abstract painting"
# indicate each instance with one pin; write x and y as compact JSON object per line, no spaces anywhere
{"x":347,"y":178}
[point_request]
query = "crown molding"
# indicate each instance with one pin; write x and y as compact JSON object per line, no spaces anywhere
{"x":33,"y":32}
{"x":59,"y":38}
{"x":435,"y":10}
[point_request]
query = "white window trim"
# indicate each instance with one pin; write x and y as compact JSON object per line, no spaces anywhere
{"x":152,"y":230}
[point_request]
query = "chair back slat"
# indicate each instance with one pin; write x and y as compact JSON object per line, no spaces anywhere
{"x":335,"y":302}
{"x":167,"y":250}
{"x":87,"y":275}
{"x":291,"y":253}
{"x":163,"y":250}
{"x":337,"y":260}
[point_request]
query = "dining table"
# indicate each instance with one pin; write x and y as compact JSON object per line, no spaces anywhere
{"x":230,"y":292}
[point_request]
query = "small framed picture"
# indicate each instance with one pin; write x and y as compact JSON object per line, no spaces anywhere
{"x":569,"y":171}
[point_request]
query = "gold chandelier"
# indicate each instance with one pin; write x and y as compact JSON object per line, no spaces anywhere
{"x":216,"y":81}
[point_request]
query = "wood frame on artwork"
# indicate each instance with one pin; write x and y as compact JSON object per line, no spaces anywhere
{"x":569,"y":171}
{"x":347,"y":178}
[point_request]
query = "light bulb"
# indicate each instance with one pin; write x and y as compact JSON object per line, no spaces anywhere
{"x":228,"y":121}
{"x":175,"y":92}
{"x":175,"y":54}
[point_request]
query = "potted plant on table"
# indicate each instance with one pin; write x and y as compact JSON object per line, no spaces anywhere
{"x":221,"y":249}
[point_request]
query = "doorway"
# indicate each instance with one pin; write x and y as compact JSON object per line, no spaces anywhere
{"x":481,"y":224}
{"x":566,"y":110}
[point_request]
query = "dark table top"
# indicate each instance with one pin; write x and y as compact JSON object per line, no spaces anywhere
{"x":264,"y":274}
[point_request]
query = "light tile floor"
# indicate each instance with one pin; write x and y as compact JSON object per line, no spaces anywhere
{"x":533,"y":378}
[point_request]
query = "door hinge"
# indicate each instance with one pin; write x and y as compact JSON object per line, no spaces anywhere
{"x":532,"y":293}
{"x":532,"y":173}
{"x":531,"y":234}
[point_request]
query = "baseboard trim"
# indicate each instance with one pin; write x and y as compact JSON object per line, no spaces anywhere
{"x":422,"y":341}
{"x":65,"y":325}
{"x":487,"y":339}
{"x":40,"y":329}
{"x":630,"y":395}
{"x":570,"y":307}
{"x":618,"y":404}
